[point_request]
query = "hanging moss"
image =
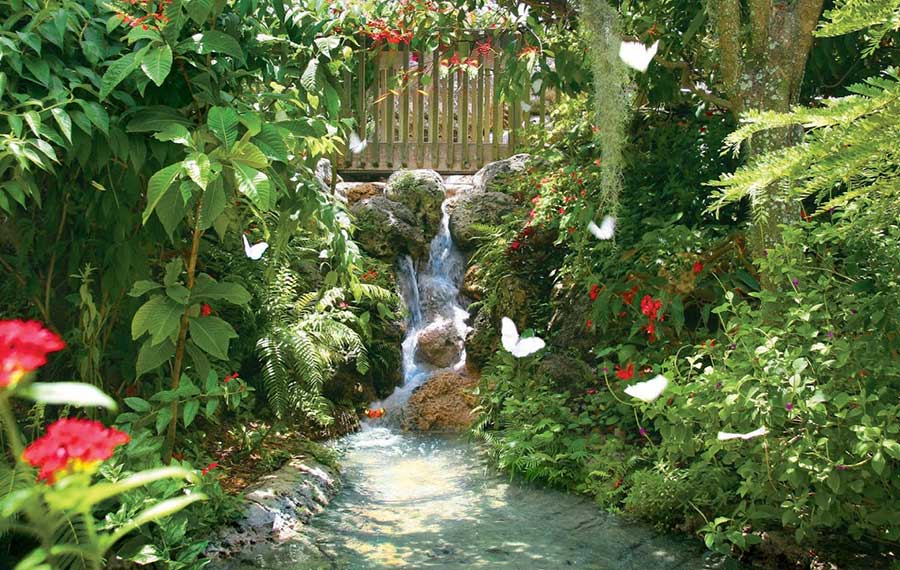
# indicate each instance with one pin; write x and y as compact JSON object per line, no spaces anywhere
{"x":613,"y":95}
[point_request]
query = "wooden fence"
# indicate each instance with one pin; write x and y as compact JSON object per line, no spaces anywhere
{"x":414,"y":118}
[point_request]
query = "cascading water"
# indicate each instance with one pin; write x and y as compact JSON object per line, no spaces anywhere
{"x":412,"y":500}
{"x":432,"y":297}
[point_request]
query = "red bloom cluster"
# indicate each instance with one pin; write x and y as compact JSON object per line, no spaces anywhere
{"x":210,"y":467}
{"x":24,"y":346}
{"x":156,"y":13}
{"x":594,"y":292}
{"x":628,"y":296}
{"x":625,"y":374}
{"x":230,"y":377}
{"x":72,"y":445}
{"x":380,"y":30}
{"x":650,"y":308}
{"x":205,"y":310}
{"x":369,"y":275}
{"x":483,"y":48}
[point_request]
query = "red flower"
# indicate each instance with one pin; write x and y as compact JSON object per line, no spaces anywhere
{"x":24,"y":346}
{"x":205,"y":310}
{"x":536,"y":200}
{"x":515,"y":245}
{"x":628,"y":296}
{"x":651,"y":328}
{"x":72,"y":445}
{"x":650,"y":307}
{"x":698,"y":267}
{"x":598,"y":162}
{"x":595,"y":292}
{"x":483,"y":48}
{"x":375,"y":414}
{"x":591,"y":391}
{"x":625,"y":374}
{"x":561,"y":211}
{"x":589,"y":324}
{"x":209,"y":467}
{"x":230,"y":377}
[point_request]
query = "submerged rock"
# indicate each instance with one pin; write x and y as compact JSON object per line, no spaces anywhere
{"x":422,"y":191}
{"x":444,"y":403}
{"x":493,"y":173}
{"x":277,"y":508}
{"x":439,"y":344}
{"x":387,"y":228}
{"x":477,"y":208}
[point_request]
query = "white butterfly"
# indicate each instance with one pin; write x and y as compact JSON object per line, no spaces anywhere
{"x":357,"y":145}
{"x":649,"y":390}
{"x":725,"y":436}
{"x":605,"y":230}
{"x":519,"y":347}
{"x":636,"y":55}
{"x":254,"y":252}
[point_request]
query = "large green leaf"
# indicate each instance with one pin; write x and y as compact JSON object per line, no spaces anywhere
{"x":212,"y":335}
{"x":171,"y":210}
{"x":160,"y":316}
{"x":270,"y":141}
{"x":151,"y":357}
{"x":199,"y":168}
{"x":63,"y":121}
{"x":213,"y":203}
{"x":118,"y":71}
{"x":308,"y":79}
{"x":223,"y":122}
{"x":157,"y":64}
{"x":96,"y":114}
{"x":253,"y":184}
{"x":250,"y":155}
{"x":208,"y":289}
{"x":156,"y":118}
{"x":213,"y":41}
{"x":159,"y":184}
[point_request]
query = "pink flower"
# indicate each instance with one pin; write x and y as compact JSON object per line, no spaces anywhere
{"x":72,"y":445}
{"x":24,"y":346}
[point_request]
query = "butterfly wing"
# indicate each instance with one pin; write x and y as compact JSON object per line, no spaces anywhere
{"x":605,"y":230}
{"x":755,"y":433}
{"x":357,"y":145}
{"x":636,"y":55}
{"x":246,"y":245}
{"x":509,"y":336}
{"x":725,"y":435}
{"x":257,"y":251}
{"x":527,"y":346}
{"x":649,"y":390}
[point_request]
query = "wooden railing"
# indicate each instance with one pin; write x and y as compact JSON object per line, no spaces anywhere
{"x":414,"y":118}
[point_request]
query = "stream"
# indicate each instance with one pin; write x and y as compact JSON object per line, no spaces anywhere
{"x":413,"y":500}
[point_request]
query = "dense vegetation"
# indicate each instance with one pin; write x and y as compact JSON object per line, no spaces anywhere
{"x":145,"y":144}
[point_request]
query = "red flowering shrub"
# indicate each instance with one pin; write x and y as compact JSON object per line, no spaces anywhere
{"x":72,"y":445}
{"x":24,"y":346}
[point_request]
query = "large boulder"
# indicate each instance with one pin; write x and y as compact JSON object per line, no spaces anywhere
{"x":387,"y":229}
{"x":482,"y":340}
{"x":494,"y":173}
{"x":565,"y":373}
{"x":422,"y":191}
{"x":439,"y":344}
{"x":484,"y":208}
{"x":444,"y":403}
{"x":571,"y":310}
{"x":325,"y":174}
{"x":353,"y":192}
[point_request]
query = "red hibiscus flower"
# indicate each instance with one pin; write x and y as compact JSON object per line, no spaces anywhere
{"x":650,"y":307}
{"x":625,"y":374}
{"x":209,"y":467}
{"x":205,"y":310}
{"x":595,"y":292}
{"x":72,"y":445}
{"x":515,"y":245}
{"x":698,"y":267}
{"x":24,"y":346}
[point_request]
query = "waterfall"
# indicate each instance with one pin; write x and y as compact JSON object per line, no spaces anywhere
{"x":431,"y":294}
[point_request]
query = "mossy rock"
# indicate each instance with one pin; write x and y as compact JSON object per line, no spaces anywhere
{"x":422,"y":191}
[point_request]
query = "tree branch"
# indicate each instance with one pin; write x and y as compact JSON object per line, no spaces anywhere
{"x":807,"y":17}
{"x":760,"y":12}
{"x":728,"y":28}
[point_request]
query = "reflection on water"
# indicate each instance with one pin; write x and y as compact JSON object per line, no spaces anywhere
{"x":417,"y":501}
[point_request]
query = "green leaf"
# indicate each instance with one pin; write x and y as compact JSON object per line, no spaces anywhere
{"x":150,"y":356}
{"x":175,"y":133}
{"x":199,"y":10}
{"x":63,"y":121}
{"x":173,"y":271}
{"x":171,"y":210}
{"x":213,"y":41}
{"x":67,"y":394}
{"x":160,"y":317}
{"x":211,"y":406}
{"x":156,"y":118}
{"x":159,"y":184}
{"x":250,"y":155}
{"x":191,"y":407}
{"x":270,"y":141}
{"x":308,"y":79}
{"x":96,"y":114}
{"x":163,"y":418}
{"x":118,"y":71}
{"x":198,"y":167}
{"x":212,"y":204}
{"x":34,"y":122}
{"x":253,"y":184}
{"x":223,"y":122}
{"x":212,"y":335}
{"x":157,"y":512}
{"x":138,"y":404}
{"x":201,"y":363}
{"x":104,"y":491}
{"x":208,"y":289}
{"x":141,"y":288}
{"x":157,"y":64}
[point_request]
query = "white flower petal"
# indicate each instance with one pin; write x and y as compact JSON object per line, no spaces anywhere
{"x":649,"y":390}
